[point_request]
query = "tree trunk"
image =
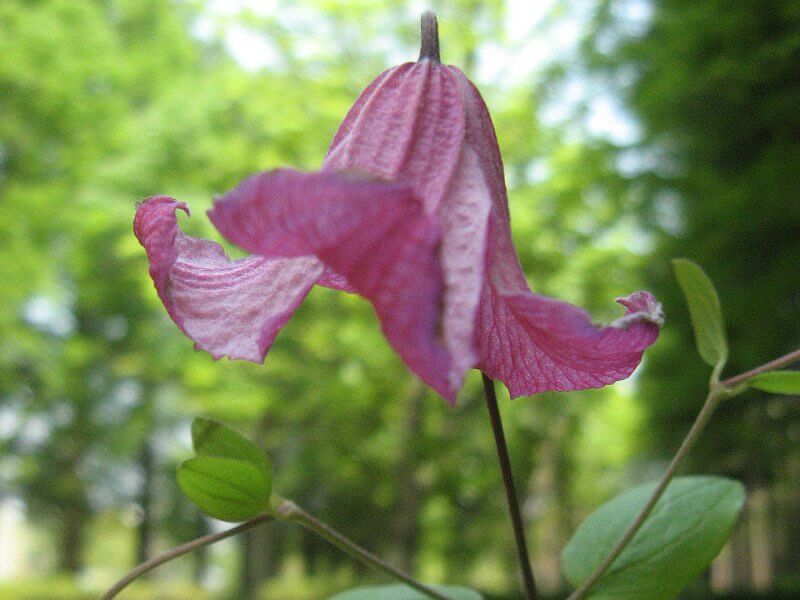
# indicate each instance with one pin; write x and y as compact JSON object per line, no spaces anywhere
{"x":144,"y":531}
{"x":258,"y":545}
{"x":722,"y":571}
{"x":760,"y":539}
{"x":201,"y":555}
{"x":407,"y":529}
{"x":789,"y":557}
{"x":258,"y":561}
{"x":72,"y":542}
{"x":740,"y":547}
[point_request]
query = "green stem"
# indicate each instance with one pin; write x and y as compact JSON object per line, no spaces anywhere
{"x":712,"y":400}
{"x":718,"y":390}
{"x":511,"y":490}
{"x":195,"y":544}
{"x":784,"y":360}
{"x":290,"y":511}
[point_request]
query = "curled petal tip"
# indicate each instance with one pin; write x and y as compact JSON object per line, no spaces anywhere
{"x":535,"y":344}
{"x":642,"y":307}
{"x":228,"y":308}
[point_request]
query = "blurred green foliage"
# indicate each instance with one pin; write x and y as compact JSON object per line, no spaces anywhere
{"x":65,"y":588}
{"x":104,"y":102}
{"x":716,"y":89}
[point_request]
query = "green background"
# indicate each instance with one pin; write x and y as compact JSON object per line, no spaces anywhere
{"x":632,"y":132}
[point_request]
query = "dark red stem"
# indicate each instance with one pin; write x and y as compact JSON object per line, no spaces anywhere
{"x":511,"y":490}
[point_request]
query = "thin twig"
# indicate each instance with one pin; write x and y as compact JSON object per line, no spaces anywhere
{"x":289,"y":510}
{"x":697,"y":427}
{"x":784,"y":360}
{"x":511,"y":490}
{"x":718,"y":391}
{"x":181,"y":550}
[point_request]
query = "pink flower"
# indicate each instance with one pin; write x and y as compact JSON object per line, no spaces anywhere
{"x":410,"y":211}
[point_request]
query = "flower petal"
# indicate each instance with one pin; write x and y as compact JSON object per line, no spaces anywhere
{"x":407,"y":126}
{"x":535,"y":344}
{"x":229,"y":308}
{"x":335,"y":281}
{"x":464,"y":218}
{"x":374,"y":235}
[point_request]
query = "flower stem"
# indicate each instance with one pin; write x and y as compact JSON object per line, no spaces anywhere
{"x":181,"y":550}
{"x":770,"y":366}
{"x":511,"y":490}
{"x":429,"y":40}
{"x":290,"y":511}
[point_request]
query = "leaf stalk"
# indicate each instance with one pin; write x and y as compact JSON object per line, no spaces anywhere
{"x":290,"y":511}
{"x":191,"y":546}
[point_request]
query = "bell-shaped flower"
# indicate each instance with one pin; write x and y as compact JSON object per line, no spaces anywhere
{"x":410,"y":211}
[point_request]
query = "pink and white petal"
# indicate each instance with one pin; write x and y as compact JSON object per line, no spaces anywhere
{"x":529,"y":342}
{"x":535,"y":344}
{"x":502,"y":263}
{"x":354,"y":114}
{"x":335,"y":281}
{"x":228,"y":308}
{"x":374,"y":235}
{"x":464,"y":217}
{"x":407,"y":126}
{"x":480,"y":135}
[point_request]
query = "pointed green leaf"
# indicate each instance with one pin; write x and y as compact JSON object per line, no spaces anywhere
{"x":704,"y":310}
{"x":777,"y":382}
{"x":403,"y":592}
{"x":686,"y":530}
{"x":212,"y":438}
{"x":224,"y":488}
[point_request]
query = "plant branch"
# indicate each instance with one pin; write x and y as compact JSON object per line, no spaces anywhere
{"x":717,"y":391}
{"x":511,"y":490}
{"x":712,"y":400}
{"x":290,"y":511}
{"x":181,"y":550}
{"x":784,"y":360}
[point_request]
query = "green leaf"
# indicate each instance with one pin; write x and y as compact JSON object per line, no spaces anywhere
{"x":225,"y":488}
{"x":403,"y":592}
{"x":212,"y":438}
{"x":683,"y":534}
{"x":777,"y":382}
{"x":704,"y":310}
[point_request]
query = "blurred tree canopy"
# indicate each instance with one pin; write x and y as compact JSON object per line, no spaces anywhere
{"x":105,"y":102}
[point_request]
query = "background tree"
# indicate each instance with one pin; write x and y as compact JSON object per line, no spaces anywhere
{"x":716,"y":89}
{"x":105,"y":102}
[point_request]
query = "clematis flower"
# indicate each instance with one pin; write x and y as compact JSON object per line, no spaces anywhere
{"x":409,"y":210}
